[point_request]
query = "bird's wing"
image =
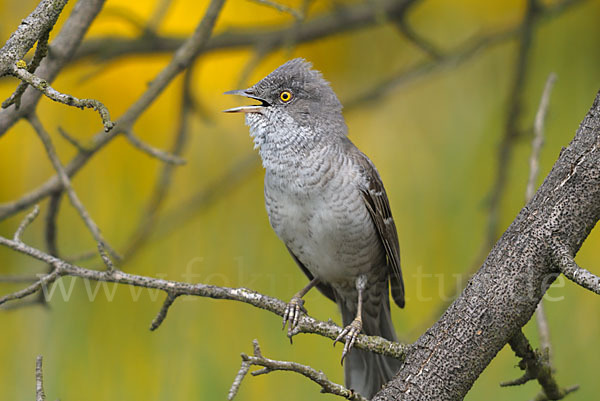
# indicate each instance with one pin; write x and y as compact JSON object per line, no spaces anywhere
{"x":377,"y":204}
{"x":325,"y":289}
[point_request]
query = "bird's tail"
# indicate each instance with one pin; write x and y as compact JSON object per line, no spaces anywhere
{"x":366,"y":372}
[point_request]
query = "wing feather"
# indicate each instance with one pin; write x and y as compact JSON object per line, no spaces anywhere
{"x":378,"y":205}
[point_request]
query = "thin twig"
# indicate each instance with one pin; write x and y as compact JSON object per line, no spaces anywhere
{"x":39,"y":380}
{"x":29,"y":31}
{"x":543,"y":397}
{"x":110,"y":267}
{"x":23,"y":303}
{"x":69,"y":138}
{"x":280,"y":7}
{"x":158,"y":15}
{"x":536,"y":366}
{"x":25,"y":222}
{"x":306,"y":324}
{"x":534,"y":168}
{"x":40,"y":52}
{"x":512,"y":130}
{"x":152,"y":151}
{"x":543,"y":330}
{"x":162,"y":314}
{"x":237,"y":381}
{"x":538,"y":137}
{"x":342,"y":19}
{"x":162,"y":185}
{"x":183,"y":58}
{"x":572,"y":271}
{"x":83,"y":256}
{"x":50,"y":231}
{"x":43,"y":86}
{"x":66,"y":184}
{"x":25,"y":278}
{"x":129,"y":16}
{"x":351,"y":18}
{"x":41,"y":283}
{"x":63,"y":48}
{"x":205,"y":197}
{"x":418,"y":40}
{"x":271,"y":365}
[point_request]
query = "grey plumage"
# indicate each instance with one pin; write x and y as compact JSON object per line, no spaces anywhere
{"x":326,"y":202}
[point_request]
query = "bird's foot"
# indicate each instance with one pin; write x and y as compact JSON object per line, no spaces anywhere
{"x":292,"y":313}
{"x":351,"y":332}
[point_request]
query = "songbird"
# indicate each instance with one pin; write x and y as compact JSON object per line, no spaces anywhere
{"x":326,"y":202}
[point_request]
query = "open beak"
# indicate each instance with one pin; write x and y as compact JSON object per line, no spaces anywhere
{"x":254,"y":108}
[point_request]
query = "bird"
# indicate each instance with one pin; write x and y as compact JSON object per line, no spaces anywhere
{"x":326,"y":201}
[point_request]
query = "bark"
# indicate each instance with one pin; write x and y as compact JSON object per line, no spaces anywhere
{"x":62,"y":49}
{"x":501,"y":297}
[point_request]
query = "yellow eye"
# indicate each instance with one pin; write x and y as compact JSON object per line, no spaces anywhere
{"x":285,"y":96}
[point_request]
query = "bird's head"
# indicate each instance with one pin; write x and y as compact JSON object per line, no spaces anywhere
{"x":292,"y":98}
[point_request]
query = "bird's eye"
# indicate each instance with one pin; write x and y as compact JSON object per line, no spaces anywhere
{"x":285,"y":96}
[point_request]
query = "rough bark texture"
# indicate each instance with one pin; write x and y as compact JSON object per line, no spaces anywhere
{"x":445,"y":361}
{"x":62,"y":49}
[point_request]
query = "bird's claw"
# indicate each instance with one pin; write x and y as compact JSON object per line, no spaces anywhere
{"x":292,"y":313}
{"x":351,"y":332}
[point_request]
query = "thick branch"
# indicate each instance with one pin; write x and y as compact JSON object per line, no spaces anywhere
{"x":502,"y":296}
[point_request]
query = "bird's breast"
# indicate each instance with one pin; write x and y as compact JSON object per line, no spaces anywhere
{"x":320,"y":215}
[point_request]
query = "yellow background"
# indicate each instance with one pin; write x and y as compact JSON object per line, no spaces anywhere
{"x":433,"y":140}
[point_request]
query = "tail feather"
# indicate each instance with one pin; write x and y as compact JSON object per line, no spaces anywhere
{"x":366,"y":372}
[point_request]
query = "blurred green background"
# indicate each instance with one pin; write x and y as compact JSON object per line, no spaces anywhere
{"x":434,"y":140}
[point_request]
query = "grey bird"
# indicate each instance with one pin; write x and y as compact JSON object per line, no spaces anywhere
{"x":327,"y":203}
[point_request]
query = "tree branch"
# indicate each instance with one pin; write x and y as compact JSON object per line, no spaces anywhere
{"x":31,"y":29}
{"x":534,"y":169}
{"x":41,"y":51}
{"x":63,"y":47}
{"x":162,"y":314}
{"x":182,"y":58}
{"x":26,"y":221}
{"x":307,"y":324}
{"x":66,"y":184}
{"x":152,"y":151}
{"x":537,"y":366}
{"x":343,"y":19}
{"x":572,"y":271}
{"x":39,"y":380}
{"x":281,"y":8}
{"x":43,"y":86}
{"x":508,"y":141}
{"x":271,"y":365}
{"x":149,"y":216}
{"x":503,"y":295}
